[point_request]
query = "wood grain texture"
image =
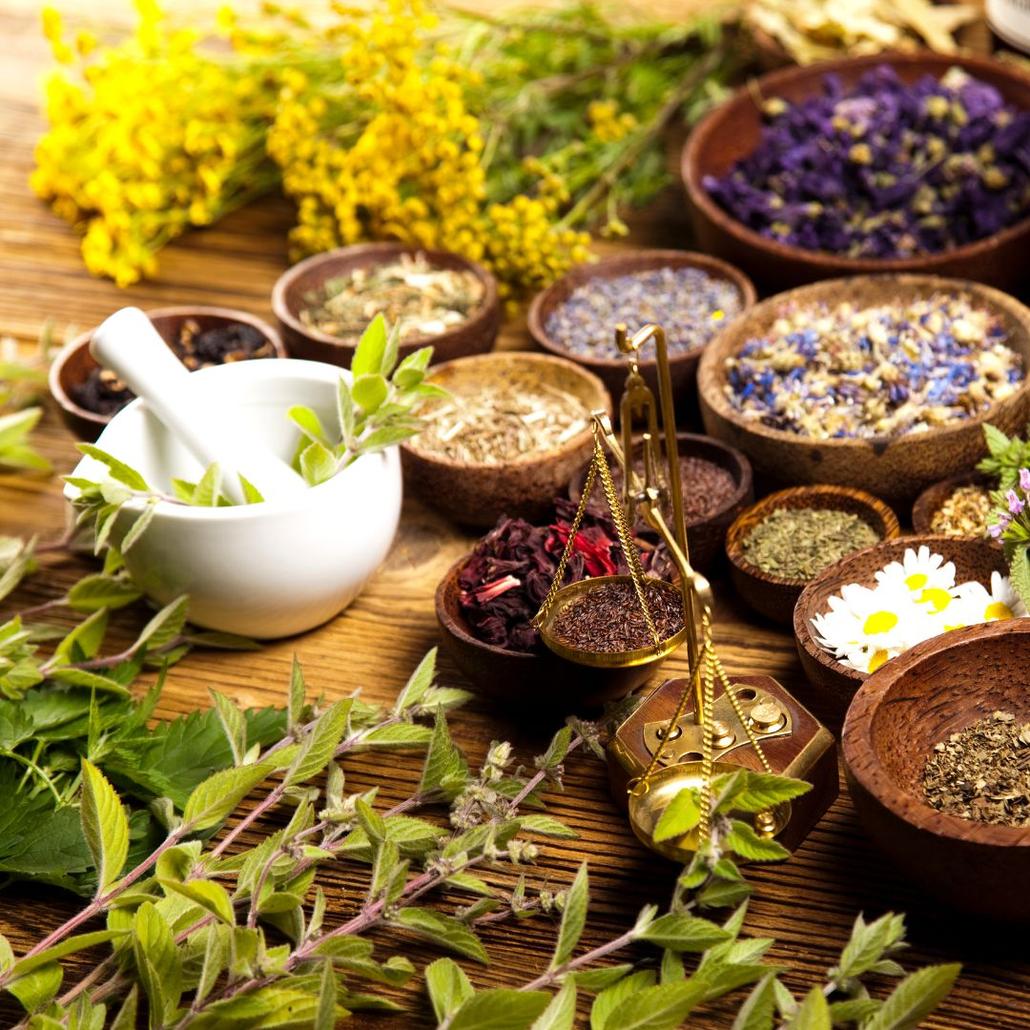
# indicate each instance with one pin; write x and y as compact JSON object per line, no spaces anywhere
{"x":808,"y":903}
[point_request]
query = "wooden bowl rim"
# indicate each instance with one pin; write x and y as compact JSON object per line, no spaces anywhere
{"x":712,"y":373}
{"x":803,"y":615}
{"x":601,"y":399}
{"x":767,"y":85}
{"x":476,"y":322}
{"x":625,"y":264}
{"x":742,"y":472}
{"x":860,"y":754}
{"x":816,"y":492}
{"x":183,"y":311}
{"x":921,"y":516}
{"x":454,"y":623}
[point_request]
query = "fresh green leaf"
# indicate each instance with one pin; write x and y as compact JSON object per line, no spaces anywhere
{"x":309,"y":424}
{"x":371,"y":348}
{"x":442,"y":930}
{"x":662,"y":1007}
{"x":100,"y":591}
{"x":591,"y":980}
{"x":208,"y":489}
{"x":813,"y":1013}
{"x":398,"y":736}
{"x":69,"y":946}
{"x":763,"y":791}
{"x":211,"y":896}
{"x":445,"y":771}
{"x":251,"y":494}
{"x":914,"y":998}
{"x":104,"y":825}
{"x":84,"y":641}
{"x":369,"y":392}
{"x":547,"y":826}
{"x":118,"y":469}
{"x":320,"y":743}
{"x":317,"y":464}
{"x":126,"y":1016}
{"x":574,"y":917}
{"x":139,"y":526}
{"x":614,"y":994}
{"x":868,"y":944}
{"x":744,"y":841}
{"x":500,"y":1009}
{"x":758,"y":1012}
{"x":680,"y":931}
{"x":560,"y":1014}
{"x":418,"y":683}
{"x":325,"y":1014}
{"x":680,"y":816}
{"x":165,"y":626}
{"x":157,"y":963}
{"x":217,"y":797}
{"x":448,"y":987}
{"x":36,"y":990}
{"x":234,"y":725}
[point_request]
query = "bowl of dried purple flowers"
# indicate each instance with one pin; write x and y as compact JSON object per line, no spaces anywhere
{"x":89,"y":396}
{"x":878,"y":382}
{"x":486,"y":602}
{"x":895,"y":162}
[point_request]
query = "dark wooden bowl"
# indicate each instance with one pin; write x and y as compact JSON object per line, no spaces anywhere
{"x":732,"y":130}
{"x":900,"y":712}
{"x":830,"y":685}
{"x":478,"y":494}
{"x":896,"y":468}
{"x":705,"y":538}
{"x":929,"y":502}
{"x":525,"y":681}
{"x":474,"y":336}
{"x":74,"y":363}
{"x":612,"y":371}
{"x":775,"y":596}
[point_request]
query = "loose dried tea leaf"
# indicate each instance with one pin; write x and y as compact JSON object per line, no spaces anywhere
{"x":965,"y":512}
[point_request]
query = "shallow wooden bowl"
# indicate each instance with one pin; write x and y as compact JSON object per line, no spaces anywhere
{"x":525,"y":681}
{"x":929,"y":502}
{"x":831,"y":685}
{"x":775,"y":596}
{"x":704,"y":539}
{"x":896,"y":469}
{"x":612,"y":371}
{"x":732,"y":130}
{"x":526,"y":486}
{"x":74,"y":363}
{"x":473,"y":336}
{"x":900,"y":712}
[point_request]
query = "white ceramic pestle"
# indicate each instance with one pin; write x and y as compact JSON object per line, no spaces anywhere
{"x":128,"y":344}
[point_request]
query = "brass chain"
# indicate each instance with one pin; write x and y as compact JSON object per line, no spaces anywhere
{"x":704,"y":824}
{"x":731,"y":693}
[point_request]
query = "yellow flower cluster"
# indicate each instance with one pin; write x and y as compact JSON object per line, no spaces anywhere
{"x":606,"y":123}
{"x":147,"y":138}
{"x":399,"y":155}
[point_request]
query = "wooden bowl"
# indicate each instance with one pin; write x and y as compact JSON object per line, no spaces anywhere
{"x":900,"y":712}
{"x":732,"y":130}
{"x":612,"y":371}
{"x":775,"y":596}
{"x":929,"y":502}
{"x":478,"y":494}
{"x":525,"y":681}
{"x":831,"y":685}
{"x":897,"y":468}
{"x":74,"y":363}
{"x":705,"y":538}
{"x":473,"y":336}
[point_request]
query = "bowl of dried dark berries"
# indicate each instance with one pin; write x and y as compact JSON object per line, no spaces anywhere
{"x":90,"y":396}
{"x":898,"y":162}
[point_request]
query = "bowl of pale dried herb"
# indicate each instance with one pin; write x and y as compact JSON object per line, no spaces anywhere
{"x":936,"y":748}
{"x":432,"y":296}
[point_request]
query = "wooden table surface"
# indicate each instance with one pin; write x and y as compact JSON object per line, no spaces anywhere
{"x":808,"y":903}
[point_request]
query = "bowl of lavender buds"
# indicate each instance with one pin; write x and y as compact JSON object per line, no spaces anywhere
{"x":89,"y":396}
{"x":897,"y":162}
{"x":877,"y":382}
{"x":691,"y":296}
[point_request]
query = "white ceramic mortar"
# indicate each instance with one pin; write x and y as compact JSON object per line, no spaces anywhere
{"x":263,"y":570}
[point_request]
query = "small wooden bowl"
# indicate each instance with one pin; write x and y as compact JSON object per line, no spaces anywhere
{"x":775,"y":596}
{"x":896,"y":468}
{"x":704,"y":539}
{"x":612,"y":371}
{"x":478,"y":494}
{"x":74,"y":363}
{"x":929,"y":502}
{"x":830,"y":684}
{"x":900,"y":712}
{"x":525,"y":681}
{"x":474,"y":336}
{"x":733,"y":129}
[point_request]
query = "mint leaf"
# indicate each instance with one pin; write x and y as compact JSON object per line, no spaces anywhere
{"x":574,"y":917}
{"x":448,"y":987}
{"x":104,"y":825}
{"x":118,"y":469}
{"x":681,"y":815}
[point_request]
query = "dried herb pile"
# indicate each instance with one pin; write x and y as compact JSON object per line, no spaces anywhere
{"x":982,"y":772}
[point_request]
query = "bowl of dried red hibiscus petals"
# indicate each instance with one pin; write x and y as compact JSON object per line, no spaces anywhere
{"x":486,"y":602}
{"x":90,"y":396}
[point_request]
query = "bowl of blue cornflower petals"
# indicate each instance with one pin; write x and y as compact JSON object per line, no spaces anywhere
{"x":886,"y":163}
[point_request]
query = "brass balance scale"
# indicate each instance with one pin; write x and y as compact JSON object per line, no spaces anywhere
{"x":682,"y":735}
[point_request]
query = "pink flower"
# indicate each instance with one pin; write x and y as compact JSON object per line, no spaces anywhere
{"x":996,"y":530}
{"x":1016,"y":506}
{"x":1024,"y":480}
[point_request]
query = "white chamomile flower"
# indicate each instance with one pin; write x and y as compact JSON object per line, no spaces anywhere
{"x":1001,"y":602}
{"x":877,"y":620}
{"x":919,"y":571}
{"x":869,"y":658}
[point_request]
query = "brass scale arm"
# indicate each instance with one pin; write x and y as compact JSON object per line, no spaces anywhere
{"x":638,"y":401}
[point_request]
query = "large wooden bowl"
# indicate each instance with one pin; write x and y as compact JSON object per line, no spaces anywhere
{"x":473,"y":336}
{"x":478,"y":494}
{"x":897,"y":468}
{"x":902,"y":710}
{"x":704,"y":539}
{"x":929,"y":502}
{"x":831,"y":685}
{"x":612,"y":371}
{"x":775,"y":596}
{"x":731,"y":131}
{"x":74,"y":363}
{"x":521,"y":681}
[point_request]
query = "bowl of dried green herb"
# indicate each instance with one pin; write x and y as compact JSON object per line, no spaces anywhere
{"x":89,"y":396}
{"x":783,"y":542}
{"x":437,"y":299}
{"x":936,"y":749}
